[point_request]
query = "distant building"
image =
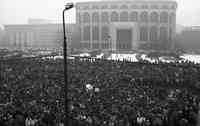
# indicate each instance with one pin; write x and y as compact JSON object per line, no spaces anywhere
{"x":126,"y":24}
{"x":39,"y":21}
{"x":189,"y":38}
{"x":38,"y":36}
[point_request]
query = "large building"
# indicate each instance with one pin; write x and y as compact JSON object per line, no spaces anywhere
{"x":126,"y":24}
{"x":105,"y":25}
{"x":44,"y":36}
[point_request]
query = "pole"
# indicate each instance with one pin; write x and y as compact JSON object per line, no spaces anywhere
{"x":65,"y":69}
{"x":67,"y":7}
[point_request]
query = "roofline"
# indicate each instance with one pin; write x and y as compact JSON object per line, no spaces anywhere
{"x":17,"y":25}
{"x":126,"y":1}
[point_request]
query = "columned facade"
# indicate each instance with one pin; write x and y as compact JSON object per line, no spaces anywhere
{"x":38,"y":36}
{"x":119,"y":24}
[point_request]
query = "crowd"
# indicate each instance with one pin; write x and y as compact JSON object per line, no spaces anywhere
{"x":101,"y":93}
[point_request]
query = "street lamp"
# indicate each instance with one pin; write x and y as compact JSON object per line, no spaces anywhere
{"x":67,"y":7}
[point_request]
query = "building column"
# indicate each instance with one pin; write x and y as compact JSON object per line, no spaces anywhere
{"x":17,"y":39}
{"x":90,"y":25}
{"x":22,"y":39}
{"x":100,"y":23}
{"x":100,"y":39}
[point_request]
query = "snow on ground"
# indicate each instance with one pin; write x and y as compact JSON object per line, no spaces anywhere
{"x":191,"y":57}
{"x":135,"y":57}
{"x":84,"y":55}
{"x":167,"y":59}
{"x":100,"y":56}
{"x":121,"y":57}
{"x":146,"y":58}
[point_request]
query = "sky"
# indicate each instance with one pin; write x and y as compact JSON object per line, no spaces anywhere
{"x":19,"y":11}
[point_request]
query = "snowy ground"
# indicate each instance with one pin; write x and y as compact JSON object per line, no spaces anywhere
{"x":191,"y":57}
{"x":136,"y":57}
{"x":130,"y":57}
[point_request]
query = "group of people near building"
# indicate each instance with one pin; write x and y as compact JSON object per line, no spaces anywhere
{"x":100,"y":93}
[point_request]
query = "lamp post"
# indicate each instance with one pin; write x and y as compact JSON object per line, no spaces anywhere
{"x":67,"y":7}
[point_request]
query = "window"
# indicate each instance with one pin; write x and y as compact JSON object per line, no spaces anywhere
{"x":153,"y":33}
{"x":134,"y":7}
{"x":124,"y":7}
{"x":173,"y":7}
{"x":86,"y":17}
{"x":170,"y":34}
{"x":172,"y":18}
{"x":86,"y":33}
{"x":95,"y":33}
{"x":86,"y":7}
{"x":164,"y":17}
{"x":114,"y":17}
{"x":143,"y":34}
{"x":105,"y":17}
{"x":163,"y":33}
{"x":144,"y":17}
{"x":95,"y":45}
{"x":79,"y":18}
{"x":134,"y":16}
{"x":95,"y":17}
{"x":154,"y":17}
{"x":154,"y":7}
{"x":144,"y":6}
{"x":105,"y":33}
{"x":124,"y":16}
{"x":114,"y":6}
{"x":95,"y":7}
{"x":165,"y":7}
{"x":104,"y":7}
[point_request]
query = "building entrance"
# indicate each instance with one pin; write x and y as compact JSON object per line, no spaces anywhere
{"x":124,"y":39}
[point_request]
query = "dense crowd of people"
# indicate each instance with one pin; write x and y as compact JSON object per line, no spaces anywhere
{"x":101,"y":92}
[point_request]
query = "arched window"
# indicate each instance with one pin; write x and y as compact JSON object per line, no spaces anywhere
{"x":104,"y":7}
{"x":163,"y":34}
{"x":95,"y":17}
{"x":86,"y":17}
{"x":172,"y":18}
{"x":105,"y":33}
{"x":114,"y":17}
{"x":154,"y":17}
{"x":95,"y":7}
{"x":95,"y":33}
{"x":124,"y":16}
{"x":144,"y":7}
{"x":165,"y":7}
{"x":78,"y":18}
{"x":114,"y":7}
{"x":143,"y":34}
{"x":134,"y":16}
{"x":153,"y":33}
{"x":170,"y":34}
{"x":134,"y":6}
{"x":154,"y":7}
{"x":173,"y":7}
{"x":86,"y":33}
{"x":124,"y":7}
{"x":144,"y":17}
{"x":164,"y":17}
{"x":105,"y":17}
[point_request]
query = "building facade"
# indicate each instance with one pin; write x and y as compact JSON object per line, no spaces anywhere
{"x":189,"y":38}
{"x":44,"y":36}
{"x":126,"y":24}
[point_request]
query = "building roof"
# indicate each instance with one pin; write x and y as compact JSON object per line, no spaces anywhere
{"x":137,"y":0}
{"x":129,"y":1}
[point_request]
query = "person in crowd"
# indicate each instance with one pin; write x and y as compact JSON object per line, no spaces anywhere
{"x":100,"y":92}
